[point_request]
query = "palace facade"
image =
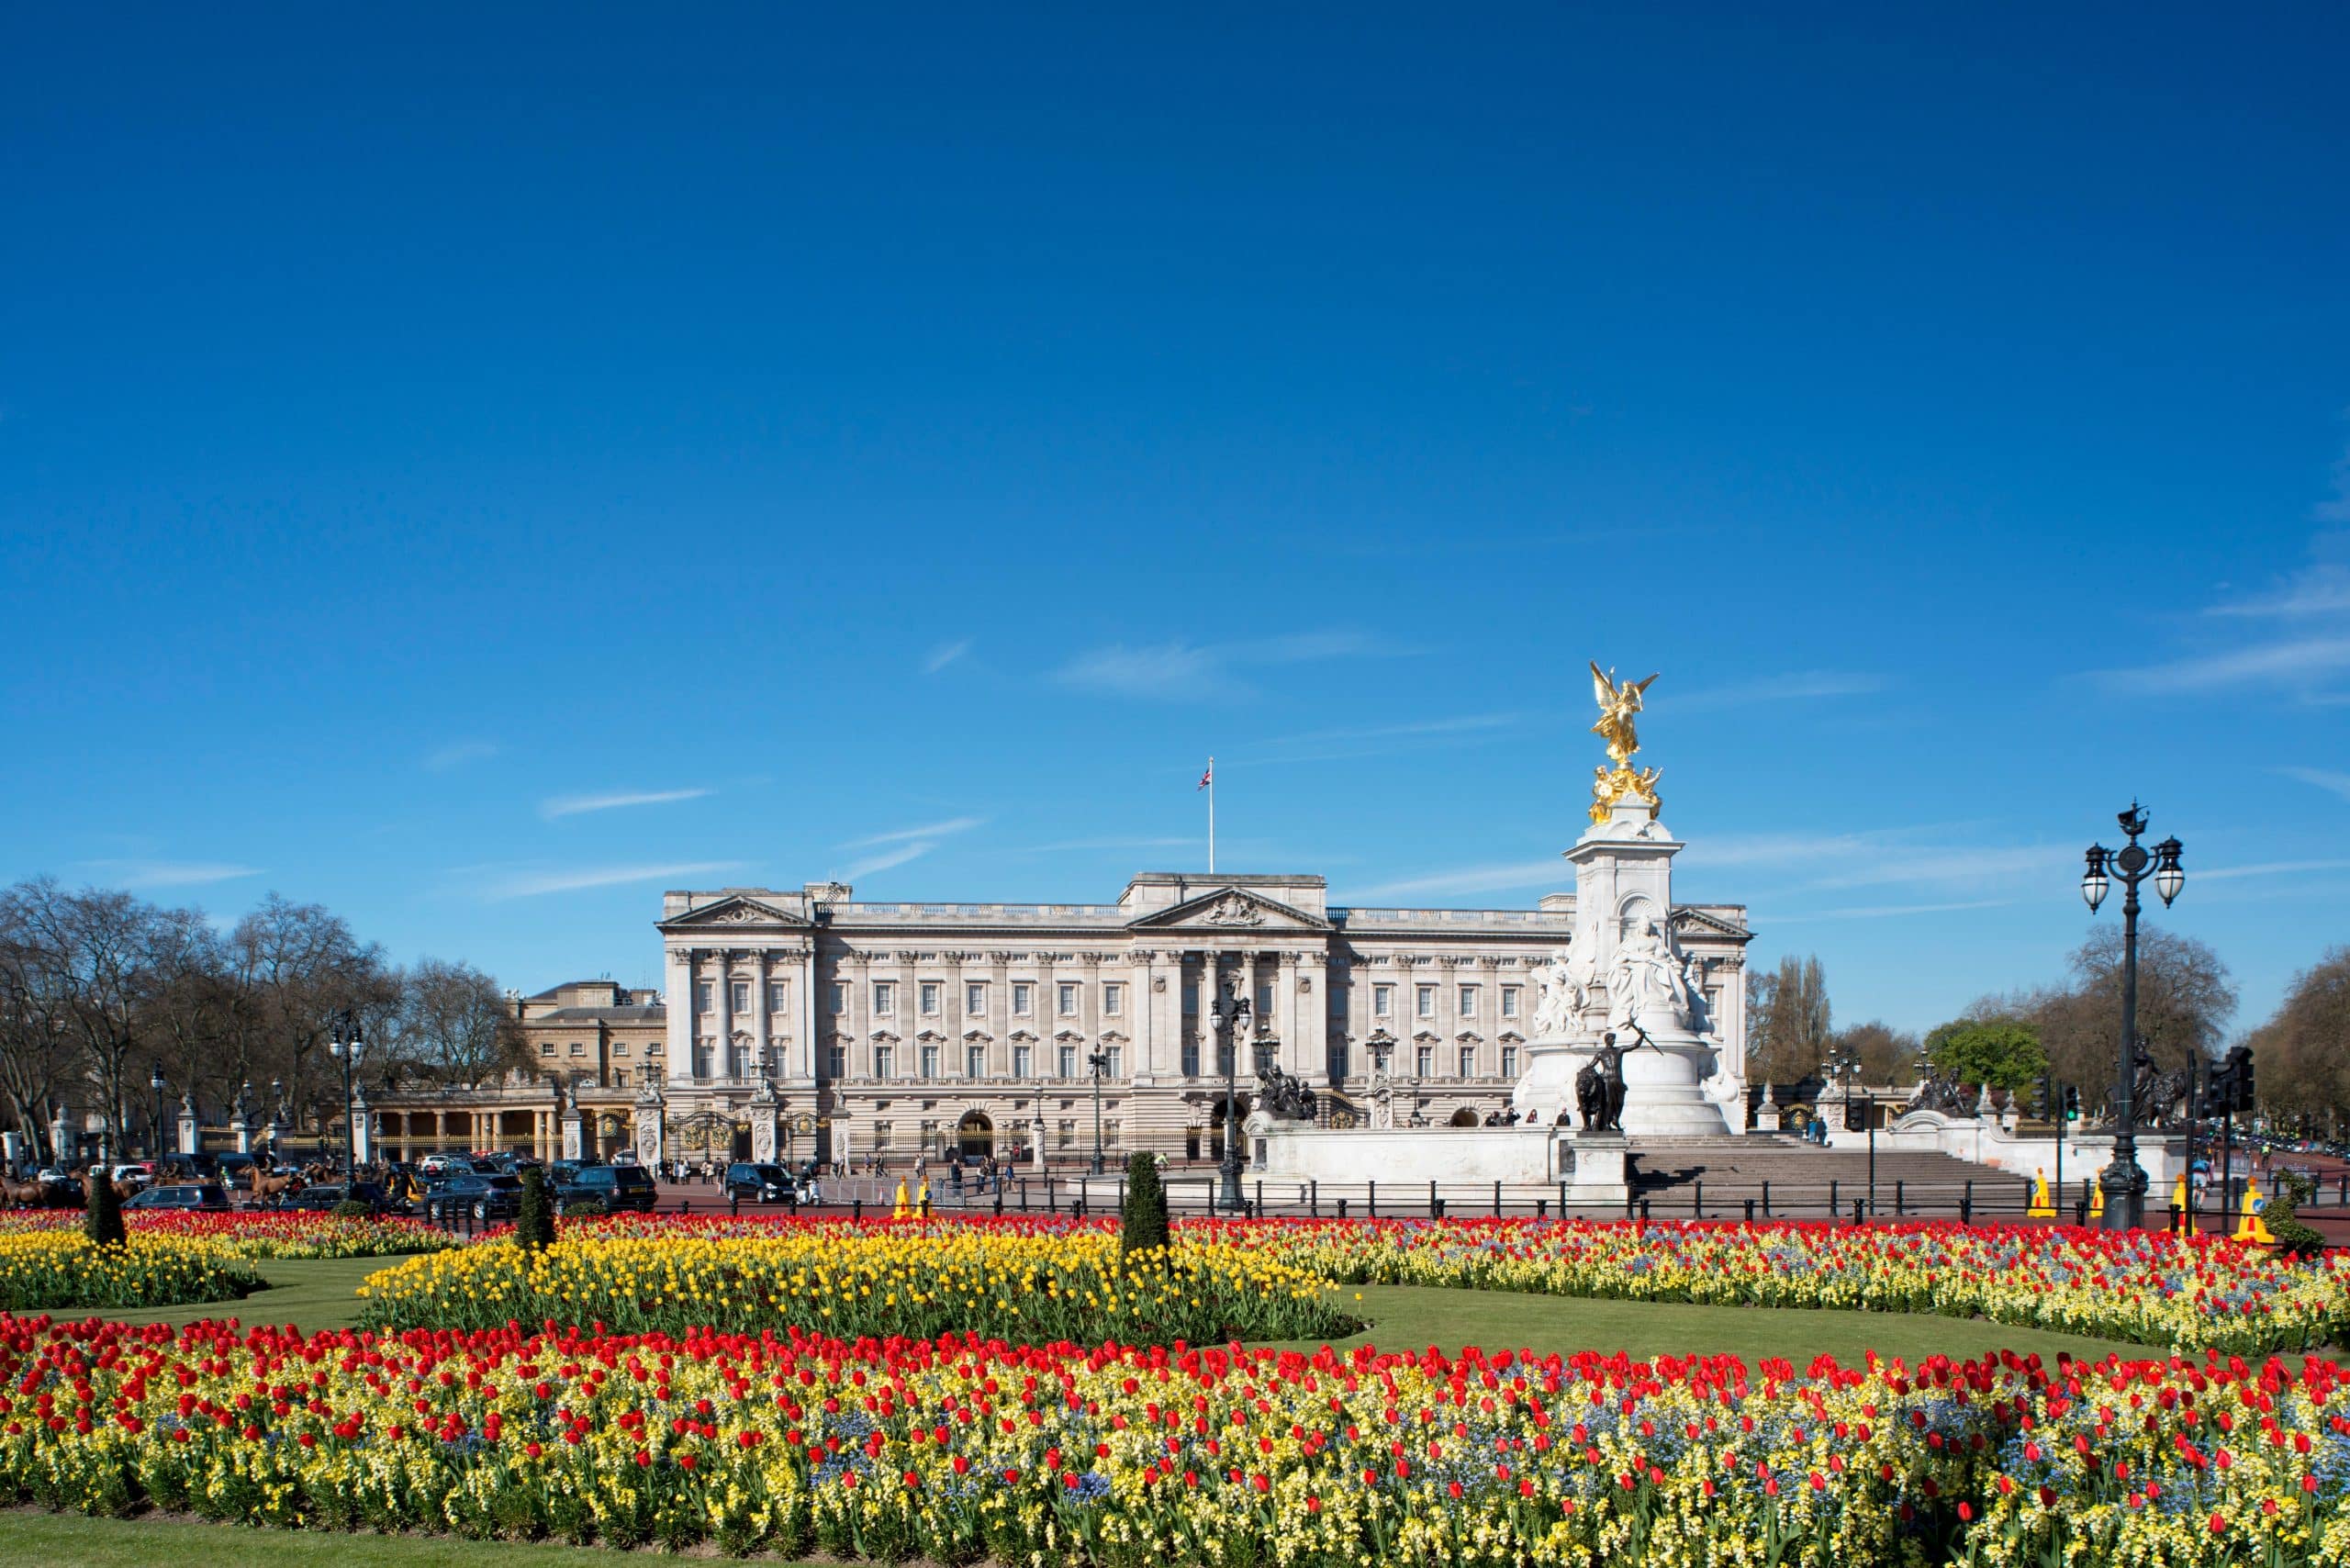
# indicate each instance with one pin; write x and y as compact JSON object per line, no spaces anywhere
{"x":858,"y":1028}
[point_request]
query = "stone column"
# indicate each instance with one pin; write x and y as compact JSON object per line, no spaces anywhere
{"x":1312,"y":1057}
{"x":761,"y":1041}
{"x":680,"y":1018}
{"x":573,"y":1133}
{"x":721,"y":1062}
{"x":191,"y":1134}
{"x":363,"y":1128}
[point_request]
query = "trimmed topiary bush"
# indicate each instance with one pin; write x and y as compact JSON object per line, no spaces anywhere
{"x":351,"y":1208}
{"x":104,"y":1224}
{"x":2293,"y":1236}
{"x":535,"y":1225}
{"x":1144,"y":1223}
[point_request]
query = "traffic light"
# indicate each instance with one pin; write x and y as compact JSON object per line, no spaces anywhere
{"x":2072,"y":1104}
{"x":1856,"y":1115}
{"x":2233,"y":1081}
{"x":2045,"y":1105}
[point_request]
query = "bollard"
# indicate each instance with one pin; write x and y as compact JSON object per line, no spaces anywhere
{"x":1541,"y":1208}
{"x":1024,"y":1195}
{"x":1497,"y":1200}
{"x":1697,"y":1199}
{"x":1342,"y":1208}
{"x":1259,"y":1208}
{"x":999,"y":1197}
{"x":2081,"y":1210}
{"x":1562,"y":1200}
{"x":1750,"y":1211}
{"x":1766,"y":1200}
{"x":735,"y":1206}
{"x":856,"y":1209}
{"x":1077,"y":1206}
{"x":1051,"y":1203}
{"x":1314,"y":1199}
{"x":1370,"y":1199}
{"x":1966,"y":1207}
{"x":1857,"y":1207}
{"x":1896,"y":1198}
{"x":1431,"y":1198}
{"x":1835,"y":1202}
{"x":1435,"y":1208}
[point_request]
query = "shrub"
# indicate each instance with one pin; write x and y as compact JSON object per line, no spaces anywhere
{"x":1144,"y":1219}
{"x":535,"y":1225}
{"x":104,"y":1225}
{"x":2293,"y":1235}
{"x":351,"y":1208}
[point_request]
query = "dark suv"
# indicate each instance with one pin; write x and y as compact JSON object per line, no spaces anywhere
{"x":758,"y":1184}
{"x":612,"y":1189}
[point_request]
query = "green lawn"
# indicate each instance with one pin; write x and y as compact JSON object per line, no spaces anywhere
{"x":1403,"y":1318}
{"x":29,"y":1540}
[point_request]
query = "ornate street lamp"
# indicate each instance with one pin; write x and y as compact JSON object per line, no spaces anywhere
{"x":1098,"y":1061}
{"x":155,"y":1082}
{"x":2123,"y":1183}
{"x":344,"y":1042}
{"x":1232,"y":1014}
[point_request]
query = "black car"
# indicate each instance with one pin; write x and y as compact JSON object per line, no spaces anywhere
{"x":315,"y":1200}
{"x":188,"y":1197}
{"x":611,"y":1189}
{"x":484,"y":1197}
{"x":758,"y":1184}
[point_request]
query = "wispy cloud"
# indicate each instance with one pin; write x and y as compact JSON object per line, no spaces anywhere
{"x":1076,"y":844}
{"x":2293,"y":661}
{"x":576,"y":805}
{"x":1795,"y":685}
{"x":888,"y":859}
{"x":2337,"y":783}
{"x":457,"y":753}
{"x":927,"y":830}
{"x":577,"y":879}
{"x":2263,"y":868}
{"x":1888,"y":911}
{"x":945,"y":653}
{"x":2322,"y":590}
{"x":137,"y":874}
{"x":1190,"y":672}
{"x":1374,"y":739}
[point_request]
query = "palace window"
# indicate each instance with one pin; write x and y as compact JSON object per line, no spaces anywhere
{"x":884,"y":1134}
{"x":1468,"y":1061}
{"x":778,"y":996}
{"x":578,"y":1050}
{"x":975,"y":1000}
{"x":1334,"y":1057}
{"x":1509,"y":1001}
{"x":1509,"y":1061}
{"x":930,"y":998}
{"x":840,"y":997}
{"x":702,"y":994}
{"x":885,"y":1061}
{"x":546,"y":1048}
{"x":1468,"y":1001}
{"x":1024,"y":1061}
{"x":1068,"y":1001}
{"x":885,"y":998}
{"x":1423,"y":1061}
{"x":930,"y":1062}
{"x":1068,"y":1132}
{"x":1265,"y":1005}
{"x":1116,"y":1064}
{"x":738,"y":1058}
{"x":835,"y":1062}
{"x":1069,"y":1061}
{"x":1024,"y":998}
{"x":704,"y":1051}
{"x":620,"y":1048}
{"x":1382,"y":1002}
{"x":738,"y":996}
{"x":929,"y":1137}
{"x":1110,"y":1135}
{"x":655,"y":1048}
{"x":1191,"y":1057}
{"x":975,"y":1061}
{"x":1114,"y":999}
{"x":1425,"y":1001}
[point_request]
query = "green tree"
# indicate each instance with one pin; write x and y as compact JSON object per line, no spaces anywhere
{"x":1143,"y":1224}
{"x":534,"y":1225}
{"x":103,"y":1225}
{"x":2002,"y":1052}
{"x":1886,"y":1055}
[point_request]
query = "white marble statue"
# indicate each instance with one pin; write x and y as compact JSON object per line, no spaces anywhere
{"x":1560,"y":1002}
{"x":1649,"y":977}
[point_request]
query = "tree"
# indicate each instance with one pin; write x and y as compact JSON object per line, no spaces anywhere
{"x":85,"y":958}
{"x":534,"y":1223}
{"x":2185,"y":998}
{"x":1886,"y":1055}
{"x":1143,"y":1224}
{"x":301,"y":965}
{"x":2004,"y":1053}
{"x":2302,"y":1056}
{"x":1788,"y":1022}
{"x":454,"y":1025}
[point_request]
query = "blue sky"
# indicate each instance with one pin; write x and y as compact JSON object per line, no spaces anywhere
{"x":477,"y":467}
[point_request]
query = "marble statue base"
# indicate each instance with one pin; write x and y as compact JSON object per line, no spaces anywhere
{"x":1663,"y":1087}
{"x":1592,"y":1165}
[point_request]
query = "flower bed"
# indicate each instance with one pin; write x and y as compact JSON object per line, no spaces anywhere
{"x":2204,"y":1293}
{"x":254,"y":1234}
{"x":64,"y":1271}
{"x":955,"y":1449}
{"x":1038,"y":1282}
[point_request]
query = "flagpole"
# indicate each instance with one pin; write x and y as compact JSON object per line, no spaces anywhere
{"x":1211,"y":816}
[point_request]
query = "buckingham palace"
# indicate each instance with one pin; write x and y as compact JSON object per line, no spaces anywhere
{"x":860,"y":1029}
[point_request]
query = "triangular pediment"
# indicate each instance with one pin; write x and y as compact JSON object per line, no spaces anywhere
{"x":1230,"y":909}
{"x":738,"y":911}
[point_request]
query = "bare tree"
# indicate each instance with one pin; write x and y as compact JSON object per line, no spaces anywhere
{"x":2302,"y":1056}
{"x":2185,"y":999}
{"x":1788,"y":1018}
{"x":35,"y":1060}
{"x":1886,"y":1055}
{"x":85,"y":960}
{"x":300,"y":966}
{"x":453,"y":1023}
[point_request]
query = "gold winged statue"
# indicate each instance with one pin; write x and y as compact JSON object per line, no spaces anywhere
{"x":1619,"y":703}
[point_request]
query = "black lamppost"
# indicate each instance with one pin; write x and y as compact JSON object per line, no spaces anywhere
{"x":155,"y":1082}
{"x":2123,"y":1183}
{"x":1847,"y":1066}
{"x":1098,"y":1061}
{"x":1232,"y":1014}
{"x":344,"y":1042}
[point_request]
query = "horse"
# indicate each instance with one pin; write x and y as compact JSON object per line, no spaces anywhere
{"x":14,"y":1195}
{"x":265,"y":1186}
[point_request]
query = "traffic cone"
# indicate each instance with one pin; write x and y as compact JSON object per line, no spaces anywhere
{"x":2250,"y":1226}
{"x":898,"y":1209}
{"x":2097,"y":1200}
{"x":2181,"y":1220}
{"x":2043,"y":1205}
